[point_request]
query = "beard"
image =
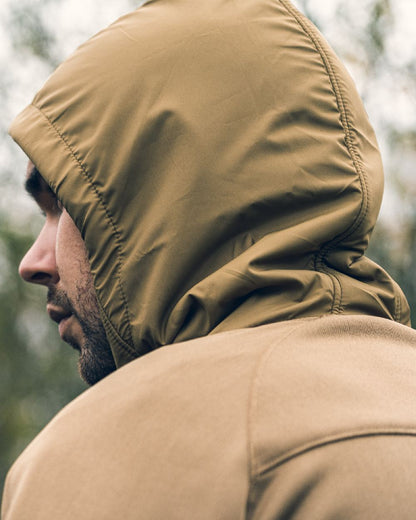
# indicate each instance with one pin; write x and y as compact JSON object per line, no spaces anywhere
{"x":95,"y":356}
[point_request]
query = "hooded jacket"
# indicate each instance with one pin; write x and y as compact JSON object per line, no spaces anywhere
{"x":221,"y":168}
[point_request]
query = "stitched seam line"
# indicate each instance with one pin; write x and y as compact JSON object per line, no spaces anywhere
{"x":336,"y":283}
{"x":252,"y":405}
{"x":115,"y":336}
{"x":333,"y":439}
{"x":309,"y":30}
{"x":398,"y":307}
{"x":346,"y":125}
{"x":107,"y":214}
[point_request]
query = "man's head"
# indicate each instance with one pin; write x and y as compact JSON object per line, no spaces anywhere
{"x":58,"y":260}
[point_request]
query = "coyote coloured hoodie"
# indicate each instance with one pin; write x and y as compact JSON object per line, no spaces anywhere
{"x":221,"y":168}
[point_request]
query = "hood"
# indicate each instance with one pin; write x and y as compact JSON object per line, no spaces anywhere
{"x":221,"y":168}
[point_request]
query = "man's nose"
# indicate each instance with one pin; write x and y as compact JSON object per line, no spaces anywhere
{"x":39,"y":263}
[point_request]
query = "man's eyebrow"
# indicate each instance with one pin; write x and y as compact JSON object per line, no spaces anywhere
{"x":33,"y":182}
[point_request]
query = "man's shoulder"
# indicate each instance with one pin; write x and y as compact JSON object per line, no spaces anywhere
{"x":207,"y":417}
{"x":313,"y":374}
{"x":329,"y":361}
{"x":171,"y":424}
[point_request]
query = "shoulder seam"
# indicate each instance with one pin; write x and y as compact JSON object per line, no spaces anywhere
{"x":252,"y":401}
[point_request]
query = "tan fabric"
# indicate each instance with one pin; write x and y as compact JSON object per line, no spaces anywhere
{"x":221,"y":168}
{"x":310,"y":419}
{"x":220,"y":165}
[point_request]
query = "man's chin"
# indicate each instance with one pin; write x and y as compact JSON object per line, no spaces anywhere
{"x":71,"y":332}
{"x":81,"y":327}
{"x":92,"y":368}
{"x":88,"y":375}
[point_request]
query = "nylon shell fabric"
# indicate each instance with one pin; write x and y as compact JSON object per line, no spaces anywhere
{"x":221,"y":168}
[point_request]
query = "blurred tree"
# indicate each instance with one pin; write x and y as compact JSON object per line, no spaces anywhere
{"x":394,"y":240}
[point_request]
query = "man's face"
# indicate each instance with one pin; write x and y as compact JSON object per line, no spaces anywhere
{"x":58,"y":260}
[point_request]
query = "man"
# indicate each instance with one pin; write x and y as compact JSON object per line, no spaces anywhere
{"x":210,"y":182}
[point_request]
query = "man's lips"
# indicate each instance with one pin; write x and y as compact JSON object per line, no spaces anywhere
{"x":57,"y":314}
{"x":60,"y":316}
{"x":63,"y":326}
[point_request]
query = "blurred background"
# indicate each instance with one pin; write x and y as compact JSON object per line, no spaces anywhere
{"x":375,"y":39}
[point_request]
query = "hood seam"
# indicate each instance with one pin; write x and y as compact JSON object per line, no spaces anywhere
{"x":106,"y":212}
{"x":345,"y":124}
{"x":252,"y":448}
{"x":321,"y":255}
{"x":116,"y":337}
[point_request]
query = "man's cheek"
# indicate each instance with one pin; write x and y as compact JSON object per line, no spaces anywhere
{"x":70,"y":252}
